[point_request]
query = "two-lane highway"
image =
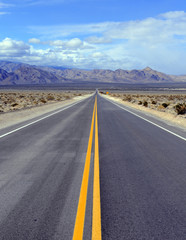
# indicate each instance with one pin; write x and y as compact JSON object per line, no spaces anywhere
{"x":52,"y":168}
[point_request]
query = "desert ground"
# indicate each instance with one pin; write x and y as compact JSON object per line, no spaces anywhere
{"x":16,"y":100}
{"x":167,"y":106}
{"x":17,"y":106}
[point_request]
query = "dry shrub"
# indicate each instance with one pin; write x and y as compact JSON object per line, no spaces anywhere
{"x":180,"y":108}
{"x":154,"y":102}
{"x":10,"y":100}
{"x":145,"y":103}
{"x":165,"y":105}
{"x":42,"y":100}
{"x":50,"y":98}
{"x":14,"y":104}
{"x":171,"y":98}
{"x":127,"y":98}
{"x":67,"y":97}
{"x":1,"y":108}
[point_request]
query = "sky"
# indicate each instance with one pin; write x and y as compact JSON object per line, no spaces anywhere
{"x":95,"y":34}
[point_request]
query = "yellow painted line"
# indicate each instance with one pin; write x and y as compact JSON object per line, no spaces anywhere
{"x":80,"y":217}
{"x":96,"y":215}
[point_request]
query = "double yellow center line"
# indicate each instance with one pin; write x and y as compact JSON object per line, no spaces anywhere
{"x":96,"y":213}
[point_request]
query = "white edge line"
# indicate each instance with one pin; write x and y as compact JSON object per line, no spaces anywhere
{"x":147,"y":120}
{"x":40,"y":119}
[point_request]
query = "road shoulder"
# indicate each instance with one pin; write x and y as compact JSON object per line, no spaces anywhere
{"x":12,"y":118}
{"x":170,"y":119}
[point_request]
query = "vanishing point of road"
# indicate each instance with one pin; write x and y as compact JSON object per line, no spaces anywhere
{"x":93,"y":170}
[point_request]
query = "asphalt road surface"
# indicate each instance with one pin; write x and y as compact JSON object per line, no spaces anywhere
{"x":142,"y":176}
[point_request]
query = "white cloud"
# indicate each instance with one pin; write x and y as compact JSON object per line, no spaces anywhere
{"x":24,"y":3}
{"x":98,"y":40}
{"x":4,"y":13}
{"x":5,"y":5}
{"x":42,"y":2}
{"x":97,"y":54}
{"x":156,"y":29}
{"x":34,"y":41}
{"x":54,"y":55}
{"x":158,"y":42}
{"x":73,"y":43}
{"x":174,"y":15}
{"x":58,"y":43}
{"x":9,"y":47}
{"x":62,"y":31}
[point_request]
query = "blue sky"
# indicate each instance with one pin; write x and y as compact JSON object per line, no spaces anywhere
{"x":107,"y":34}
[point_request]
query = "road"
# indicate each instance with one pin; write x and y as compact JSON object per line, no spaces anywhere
{"x":56,"y":172}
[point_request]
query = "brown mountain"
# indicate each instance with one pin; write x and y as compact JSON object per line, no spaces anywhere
{"x":29,"y":75}
{"x":5,"y":77}
{"x":146,"y":75}
{"x":19,"y":73}
{"x":3,"y":74}
{"x":11,"y":66}
{"x":32,"y":75}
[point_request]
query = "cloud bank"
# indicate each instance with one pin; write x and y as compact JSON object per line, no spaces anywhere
{"x":158,"y":42}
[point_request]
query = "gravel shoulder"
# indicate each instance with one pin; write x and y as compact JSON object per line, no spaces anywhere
{"x":170,"y":118}
{"x":8,"y":119}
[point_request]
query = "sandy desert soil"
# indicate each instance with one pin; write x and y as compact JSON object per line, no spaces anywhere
{"x":165,"y":106}
{"x":18,"y":106}
{"x":16,"y":100}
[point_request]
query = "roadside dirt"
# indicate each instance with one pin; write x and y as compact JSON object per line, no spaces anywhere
{"x":160,"y":106}
{"x":27,"y":108}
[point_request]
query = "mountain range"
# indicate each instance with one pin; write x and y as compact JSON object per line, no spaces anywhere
{"x":19,"y":73}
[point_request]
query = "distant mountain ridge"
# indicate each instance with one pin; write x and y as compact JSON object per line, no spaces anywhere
{"x":20,"y":73}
